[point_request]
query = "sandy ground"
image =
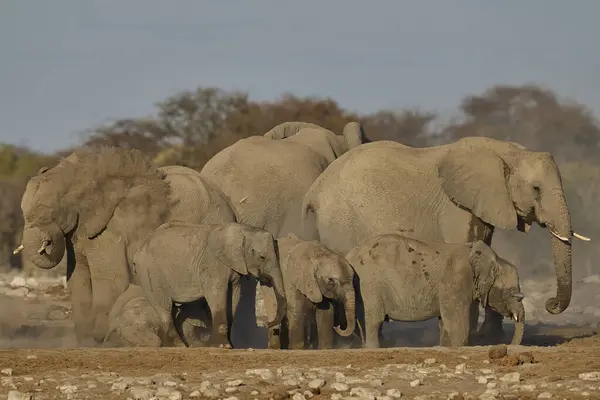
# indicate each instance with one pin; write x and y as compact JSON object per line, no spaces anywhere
{"x":39,"y":361}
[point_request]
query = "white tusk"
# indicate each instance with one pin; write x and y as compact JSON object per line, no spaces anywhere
{"x":18,"y":249}
{"x":43,"y":247}
{"x":581,"y":237}
{"x":564,"y":239}
{"x":516,"y":318}
{"x":244,"y":199}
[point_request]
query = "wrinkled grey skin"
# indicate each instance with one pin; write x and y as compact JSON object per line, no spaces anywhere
{"x":99,"y":205}
{"x":266,"y":176}
{"x":182,"y":263}
{"x":405,"y":279}
{"x":313,"y":276}
{"x":454,"y":193}
{"x":134,"y":321}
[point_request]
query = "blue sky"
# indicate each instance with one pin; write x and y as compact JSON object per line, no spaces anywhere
{"x":67,"y":65}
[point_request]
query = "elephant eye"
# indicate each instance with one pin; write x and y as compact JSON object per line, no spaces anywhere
{"x":262,"y":258}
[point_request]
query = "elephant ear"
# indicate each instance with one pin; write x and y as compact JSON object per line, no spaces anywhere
{"x":230,"y":248}
{"x":96,"y":209}
{"x":475,"y":179}
{"x":302,"y":267}
{"x":484,"y":263}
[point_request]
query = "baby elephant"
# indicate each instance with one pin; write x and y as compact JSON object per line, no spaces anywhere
{"x":313,"y":275}
{"x":182,"y":263}
{"x":133,"y":321}
{"x":405,"y":279}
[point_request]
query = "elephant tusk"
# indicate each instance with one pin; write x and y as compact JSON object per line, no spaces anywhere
{"x":516,"y":318}
{"x":564,"y":239}
{"x":244,"y":199}
{"x":43,"y":246}
{"x":581,"y":237}
{"x":18,"y":249}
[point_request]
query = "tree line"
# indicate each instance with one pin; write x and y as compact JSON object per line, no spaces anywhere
{"x":189,"y":127}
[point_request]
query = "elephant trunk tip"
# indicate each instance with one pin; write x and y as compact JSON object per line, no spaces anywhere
{"x":554,"y":306}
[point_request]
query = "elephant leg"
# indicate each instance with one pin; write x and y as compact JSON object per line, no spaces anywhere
{"x":491,"y":329}
{"x":80,"y":285}
{"x":217,"y":301}
{"x":296,"y":324}
{"x":140,"y":337}
{"x":324,"y":319}
{"x":456,"y":323}
{"x":444,"y":338}
{"x":274,"y":340}
{"x":374,"y":317}
{"x":109,"y":274}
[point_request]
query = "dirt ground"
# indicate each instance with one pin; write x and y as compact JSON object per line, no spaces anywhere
{"x":39,"y":361}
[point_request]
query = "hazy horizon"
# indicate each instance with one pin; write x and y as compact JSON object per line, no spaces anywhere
{"x":70,"y":65}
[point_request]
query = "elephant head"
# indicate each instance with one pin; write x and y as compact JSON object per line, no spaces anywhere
{"x":253,"y":251}
{"x":80,"y":195}
{"x":509,"y":186}
{"x":318,"y":273}
{"x":321,"y":140}
{"x":497,"y":286}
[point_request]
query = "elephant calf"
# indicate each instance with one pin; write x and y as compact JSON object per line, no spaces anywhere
{"x":182,"y":263}
{"x":313,"y":276}
{"x":135,"y":322}
{"x":405,"y":279}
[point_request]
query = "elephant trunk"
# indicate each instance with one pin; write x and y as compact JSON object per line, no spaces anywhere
{"x":277,"y":282}
{"x":45,"y":248}
{"x":350,"y":307}
{"x":519,"y":324}
{"x":561,"y":251}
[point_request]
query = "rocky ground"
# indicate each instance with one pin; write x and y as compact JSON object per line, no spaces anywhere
{"x":558,"y":361}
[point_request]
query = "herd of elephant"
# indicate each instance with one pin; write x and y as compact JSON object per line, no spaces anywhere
{"x":331,"y":235}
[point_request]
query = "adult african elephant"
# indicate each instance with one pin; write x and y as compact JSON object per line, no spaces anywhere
{"x":266,"y":176}
{"x":100,"y":206}
{"x":454,"y":193}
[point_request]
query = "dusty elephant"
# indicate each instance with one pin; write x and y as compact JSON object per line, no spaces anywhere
{"x":454,"y":193}
{"x":182,"y":263}
{"x":405,"y":279}
{"x":267,"y":176}
{"x":100,"y":206}
{"x":313,"y":276}
{"x":134,"y":321}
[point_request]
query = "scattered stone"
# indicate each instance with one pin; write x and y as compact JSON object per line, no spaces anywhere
{"x":511,"y":377}
{"x":316,"y":384}
{"x":497,"y":352}
{"x":395,"y":393}
{"x":235,"y":383}
{"x":590,"y":376}
{"x":6,"y":371}
{"x":545,"y":395}
{"x":16,"y":395}
{"x":68,"y":389}
{"x":339,"y":386}
{"x":430,"y":361}
{"x":141,"y":393}
{"x":526,"y":358}
{"x":415,"y":383}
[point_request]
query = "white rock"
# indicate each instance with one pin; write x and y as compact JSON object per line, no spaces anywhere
{"x":460,"y":368}
{"x":290,"y":382}
{"x":175,"y":395}
{"x":263,"y":373}
{"x":120,"y":386}
{"x":211,"y":393}
{"x":376,"y":383}
{"x":196,"y":393}
{"x":511,"y":377}
{"x":364,"y":393}
{"x":528,"y":388}
{"x":340,"y":377}
{"x":237,"y":382}
{"x":545,"y":395}
{"x":169,"y":384}
{"x":141,"y":393}
{"x":16,"y":395}
{"x":339,"y":386}
{"x":336,"y":396}
{"x":231,"y":390}
{"x":395,"y":393}
{"x":415,"y":383}
{"x":316,"y":384}
{"x":482,"y":380}
{"x":6,"y":371}
{"x":254,"y":393}
{"x":298,"y":396}
{"x":590,"y":376}
{"x":308,"y":394}
{"x":430,"y":361}
{"x":231,"y":398}
{"x":18,"y":282}
{"x":453,"y":395}
{"x":491,"y":385}
{"x":32,"y":282}
{"x":68,"y":389}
